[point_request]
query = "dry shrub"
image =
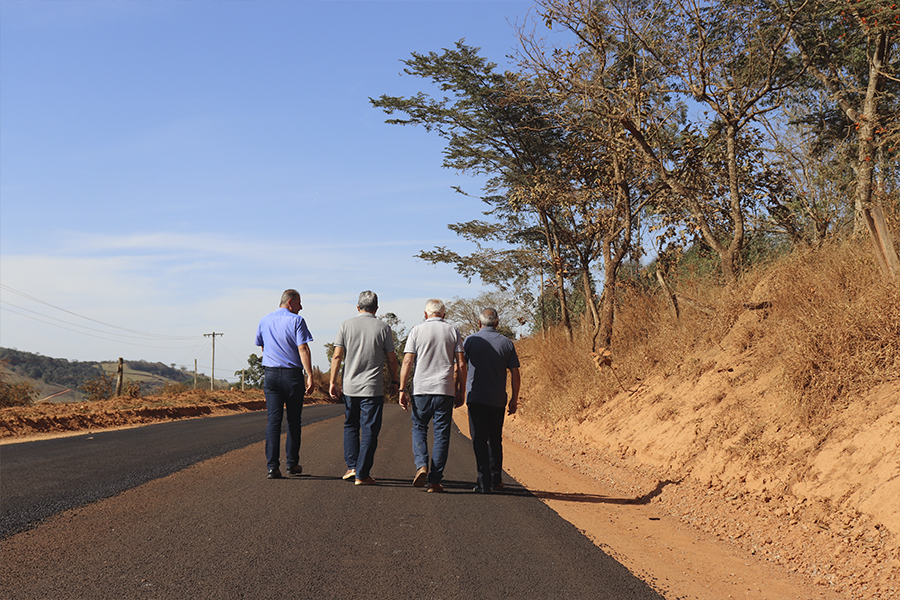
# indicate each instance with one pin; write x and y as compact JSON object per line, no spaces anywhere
{"x":131,"y":389}
{"x":16,"y":393}
{"x":559,"y":377}
{"x":837,"y":326}
{"x":171,"y":388}
{"x":832,"y":328}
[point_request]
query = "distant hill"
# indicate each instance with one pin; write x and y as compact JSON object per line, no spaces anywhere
{"x":51,"y":376}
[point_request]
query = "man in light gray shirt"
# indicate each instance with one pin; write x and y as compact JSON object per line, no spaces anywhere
{"x":436,"y":348}
{"x":365,"y":343}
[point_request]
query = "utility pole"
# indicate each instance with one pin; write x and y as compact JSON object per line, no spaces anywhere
{"x":212,"y":378}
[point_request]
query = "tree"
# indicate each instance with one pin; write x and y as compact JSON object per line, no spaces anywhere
{"x":513,"y":310}
{"x":490,"y":129}
{"x":850,"y":50}
{"x":731,"y":59}
{"x":605,"y":184}
{"x":254,"y":374}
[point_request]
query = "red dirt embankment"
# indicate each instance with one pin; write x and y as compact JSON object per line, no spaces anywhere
{"x":49,"y":419}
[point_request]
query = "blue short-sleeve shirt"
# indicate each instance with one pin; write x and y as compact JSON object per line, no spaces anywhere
{"x":279,"y":333}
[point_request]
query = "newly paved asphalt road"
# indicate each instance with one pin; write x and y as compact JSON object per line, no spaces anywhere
{"x":190,"y":514}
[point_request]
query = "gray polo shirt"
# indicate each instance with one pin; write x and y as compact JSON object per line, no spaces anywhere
{"x":435,"y":344}
{"x":489,"y":355}
{"x":366,"y":342}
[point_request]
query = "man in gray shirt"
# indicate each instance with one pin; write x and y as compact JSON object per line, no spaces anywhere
{"x":435,"y":347}
{"x":365,"y":343}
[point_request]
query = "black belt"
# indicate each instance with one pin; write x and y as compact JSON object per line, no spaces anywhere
{"x":284,"y":368}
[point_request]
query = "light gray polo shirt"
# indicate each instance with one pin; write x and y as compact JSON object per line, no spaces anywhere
{"x":435,"y":344}
{"x":366,"y":342}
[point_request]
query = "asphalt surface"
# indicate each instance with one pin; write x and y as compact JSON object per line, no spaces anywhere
{"x":41,"y":478}
{"x":217,"y":528}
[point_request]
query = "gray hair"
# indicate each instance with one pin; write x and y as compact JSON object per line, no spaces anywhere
{"x":368,"y":301}
{"x":288,"y":295}
{"x":489,"y":317}
{"x":435,"y":307}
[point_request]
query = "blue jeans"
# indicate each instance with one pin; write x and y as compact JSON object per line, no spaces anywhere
{"x":284,"y":388}
{"x":486,"y":429}
{"x":362,"y":424}
{"x":424,"y":408}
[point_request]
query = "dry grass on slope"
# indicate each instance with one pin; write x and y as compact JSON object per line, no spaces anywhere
{"x":831,"y":327}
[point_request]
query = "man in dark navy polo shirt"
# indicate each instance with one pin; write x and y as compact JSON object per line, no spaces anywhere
{"x":489,"y":355}
{"x":284,"y":339}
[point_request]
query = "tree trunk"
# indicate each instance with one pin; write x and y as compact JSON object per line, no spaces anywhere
{"x":869,"y":212}
{"x":558,"y":271}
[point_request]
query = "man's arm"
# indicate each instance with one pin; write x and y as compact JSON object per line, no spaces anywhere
{"x":334,"y":388}
{"x":405,"y":370}
{"x":460,"y":379}
{"x":306,"y":361}
{"x":392,"y":370}
{"x":516,"y":383}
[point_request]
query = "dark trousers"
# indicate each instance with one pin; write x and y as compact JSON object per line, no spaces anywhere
{"x":284,"y":390}
{"x":486,"y":429}
{"x":362,"y":424}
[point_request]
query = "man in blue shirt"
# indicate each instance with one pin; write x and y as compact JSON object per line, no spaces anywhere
{"x":367,"y":343}
{"x":284,"y":339}
{"x":489,"y":355}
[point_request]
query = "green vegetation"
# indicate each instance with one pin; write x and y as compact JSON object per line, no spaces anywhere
{"x":715,"y":136}
{"x":60,"y":371}
{"x":15,"y":393}
{"x":92,"y":378}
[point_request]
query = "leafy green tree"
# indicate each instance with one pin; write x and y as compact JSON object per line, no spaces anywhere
{"x":254,"y":373}
{"x":494,"y":130}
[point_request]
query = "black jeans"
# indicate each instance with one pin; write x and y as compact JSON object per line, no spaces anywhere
{"x":486,"y":429}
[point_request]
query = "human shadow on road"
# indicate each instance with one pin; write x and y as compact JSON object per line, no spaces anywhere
{"x":601,"y":499}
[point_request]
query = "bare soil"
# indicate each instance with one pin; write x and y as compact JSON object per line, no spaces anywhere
{"x":677,"y":480}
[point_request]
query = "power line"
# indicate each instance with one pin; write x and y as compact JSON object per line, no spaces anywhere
{"x":66,"y":322}
{"x":145,"y":334}
{"x":92,"y":335}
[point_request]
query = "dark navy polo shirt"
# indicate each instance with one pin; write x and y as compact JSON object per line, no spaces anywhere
{"x":489,"y":354}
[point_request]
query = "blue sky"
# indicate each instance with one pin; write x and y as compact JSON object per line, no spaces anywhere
{"x":168,"y":168}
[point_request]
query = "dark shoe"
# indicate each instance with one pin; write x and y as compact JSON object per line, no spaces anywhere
{"x":499,"y":487}
{"x":366,"y":481}
{"x":274,"y":474}
{"x":435,"y":488}
{"x":421,"y":477}
{"x":481,"y":490}
{"x":295,"y":470}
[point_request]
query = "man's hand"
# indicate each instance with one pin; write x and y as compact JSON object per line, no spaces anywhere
{"x":513,"y":405}
{"x":334,"y":390}
{"x":395,"y":387}
{"x":460,"y":398}
{"x":404,"y":401}
{"x":310,"y":384}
